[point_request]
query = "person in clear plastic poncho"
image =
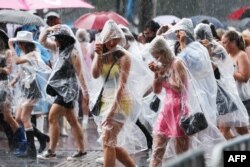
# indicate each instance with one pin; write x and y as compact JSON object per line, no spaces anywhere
{"x":119,"y":107}
{"x":182,"y":100}
{"x":232,"y":112}
{"x":64,"y":82}
{"x":31,"y":70}
{"x":9,"y":124}
{"x":196,"y":58}
{"x":235,"y":47}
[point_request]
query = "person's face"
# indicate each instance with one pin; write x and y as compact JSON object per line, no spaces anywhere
{"x":149,"y":35}
{"x":158,"y":58}
{"x":112,"y":43}
{"x":226,"y":43}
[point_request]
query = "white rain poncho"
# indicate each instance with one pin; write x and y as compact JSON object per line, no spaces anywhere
{"x":64,"y":81}
{"x":184,"y":101}
{"x":32,"y":77}
{"x":196,"y":58}
{"x":130,"y":136}
{"x":232,"y":112}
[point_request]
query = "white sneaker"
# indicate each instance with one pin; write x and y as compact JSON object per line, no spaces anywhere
{"x":99,"y":160}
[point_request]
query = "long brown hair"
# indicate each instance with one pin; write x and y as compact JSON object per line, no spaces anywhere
{"x":235,"y":36}
{"x":28,"y":46}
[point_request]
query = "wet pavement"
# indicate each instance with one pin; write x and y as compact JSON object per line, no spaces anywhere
{"x":64,"y":149}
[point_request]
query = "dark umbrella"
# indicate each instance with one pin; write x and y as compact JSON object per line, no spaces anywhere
{"x":20,"y":17}
{"x":244,"y":24}
{"x":199,"y":18}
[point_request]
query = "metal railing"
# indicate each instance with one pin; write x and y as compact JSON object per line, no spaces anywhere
{"x":238,"y":144}
{"x":192,"y":158}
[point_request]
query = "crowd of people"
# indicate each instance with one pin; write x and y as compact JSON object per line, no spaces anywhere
{"x":146,"y":87}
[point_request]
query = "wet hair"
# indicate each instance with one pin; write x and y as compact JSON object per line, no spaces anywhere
{"x":3,"y":40}
{"x":235,"y":36}
{"x":64,"y":41}
{"x":82,"y":35}
{"x":212,"y":27}
{"x":214,"y":32}
{"x":51,"y":20}
{"x":152,"y":25}
{"x":159,"y":45}
{"x":177,"y":48}
{"x":29,"y":46}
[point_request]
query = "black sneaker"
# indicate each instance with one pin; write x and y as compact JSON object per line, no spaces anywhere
{"x":47,"y":155}
{"x":77,"y":156}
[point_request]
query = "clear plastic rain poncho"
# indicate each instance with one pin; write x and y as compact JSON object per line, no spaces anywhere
{"x":143,"y":73}
{"x":196,"y":58}
{"x":232,"y":112}
{"x":185,"y":101}
{"x":63,"y":80}
{"x":32,"y":77}
{"x":130,"y":136}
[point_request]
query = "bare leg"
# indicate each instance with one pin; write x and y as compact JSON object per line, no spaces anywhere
{"x":109,"y":156}
{"x":123,"y":156}
{"x":226,"y":132}
{"x":159,"y":148}
{"x":9,"y":118}
{"x":25,"y":116}
{"x":242,"y":130}
{"x":55,"y":113}
{"x":181,"y":144}
{"x":111,"y":130}
{"x":76,"y":128}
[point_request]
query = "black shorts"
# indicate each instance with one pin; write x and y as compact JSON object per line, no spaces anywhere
{"x":59,"y":100}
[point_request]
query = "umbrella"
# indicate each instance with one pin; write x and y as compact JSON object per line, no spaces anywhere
{"x":41,"y":4}
{"x":199,"y":18}
{"x":96,"y":20}
{"x":244,"y":24}
{"x":166,"y":19}
{"x":20,"y":17}
{"x":240,"y":13}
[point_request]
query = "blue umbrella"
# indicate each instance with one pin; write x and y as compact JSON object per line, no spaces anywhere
{"x":199,"y":18}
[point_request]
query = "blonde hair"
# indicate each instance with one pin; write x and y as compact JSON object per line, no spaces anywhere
{"x":159,"y":45}
{"x":82,"y":35}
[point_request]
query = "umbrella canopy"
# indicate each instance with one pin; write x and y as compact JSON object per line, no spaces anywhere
{"x":20,"y":17}
{"x":41,"y":4}
{"x":96,"y":20}
{"x":199,"y":18}
{"x":166,"y":19}
{"x":244,"y":24}
{"x":240,"y":13}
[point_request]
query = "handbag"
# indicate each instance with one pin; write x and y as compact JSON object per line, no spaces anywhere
{"x":155,"y":103}
{"x":97,"y":107}
{"x":192,"y":124}
{"x":3,"y":95}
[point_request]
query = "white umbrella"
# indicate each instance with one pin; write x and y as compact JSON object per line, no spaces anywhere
{"x":166,"y":19}
{"x":20,"y":17}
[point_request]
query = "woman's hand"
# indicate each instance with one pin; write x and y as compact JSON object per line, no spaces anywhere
{"x":153,"y":67}
{"x":53,"y":28}
{"x":99,"y":49}
{"x":183,"y":37}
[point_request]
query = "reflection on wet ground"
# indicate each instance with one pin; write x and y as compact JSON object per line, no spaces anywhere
{"x":64,"y":149}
